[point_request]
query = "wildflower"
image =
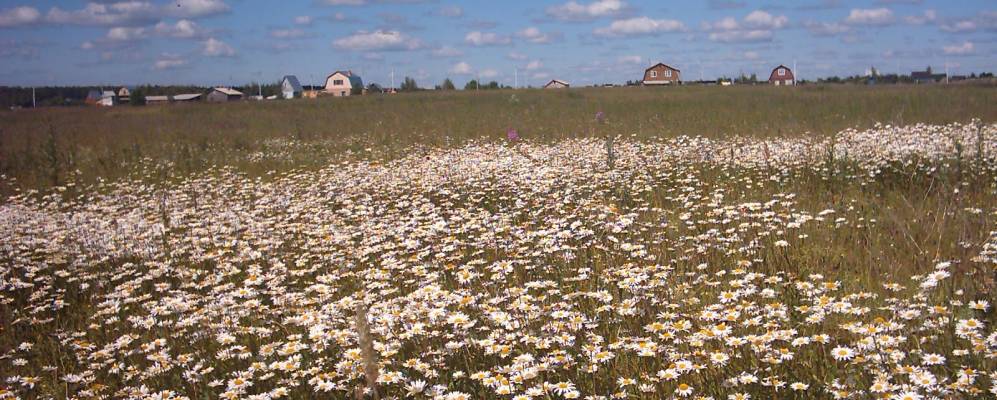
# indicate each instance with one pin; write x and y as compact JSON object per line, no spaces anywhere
{"x":683,"y":390}
{"x":512,"y":135}
{"x":842,"y":353}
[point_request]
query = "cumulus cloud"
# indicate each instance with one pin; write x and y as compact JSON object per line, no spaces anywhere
{"x":293,"y":33}
{"x":928,"y":16}
{"x":447,"y":51}
{"x":216,"y":48}
{"x":966,"y":48}
{"x":757,"y":26}
{"x":574,"y":11}
{"x":134,"y":12}
{"x":168,"y":61}
{"x":630,"y":60}
{"x":488,"y":73}
{"x":379,"y":40}
{"x":871,"y":16}
{"x":477,"y":38}
{"x":19,"y":16}
{"x":534,"y":35}
{"x":741,"y":36}
{"x":516,"y":56}
{"x":461,"y":68}
{"x":640,"y":26}
{"x":534,"y":65}
{"x":303,"y":20}
{"x":125,"y":34}
{"x":182,"y":29}
{"x":826,"y":28}
{"x":759,"y":19}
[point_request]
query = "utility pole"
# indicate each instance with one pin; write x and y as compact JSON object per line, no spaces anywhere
{"x":33,"y":102}
{"x":796,"y":73}
{"x":517,"y":77}
{"x":392,"y":79}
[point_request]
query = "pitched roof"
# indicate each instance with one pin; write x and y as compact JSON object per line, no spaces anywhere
{"x":293,"y":81}
{"x":186,"y":96}
{"x":157,"y":98}
{"x":230,"y":92}
{"x":664,"y":65}
{"x":355,"y":80}
{"x":557,"y":81}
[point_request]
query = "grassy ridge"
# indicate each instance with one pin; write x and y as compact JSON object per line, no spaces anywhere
{"x":42,"y":148}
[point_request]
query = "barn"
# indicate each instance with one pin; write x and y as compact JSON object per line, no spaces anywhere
{"x":290,"y":87}
{"x":221,"y":95}
{"x":782,"y":76}
{"x":343,"y":83}
{"x":557,"y":84}
{"x":662,"y":74}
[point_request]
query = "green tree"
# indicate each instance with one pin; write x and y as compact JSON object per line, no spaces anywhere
{"x":471,"y":85}
{"x":137,"y":97}
{"x":447,"y":85}
{"x":409,"y":85}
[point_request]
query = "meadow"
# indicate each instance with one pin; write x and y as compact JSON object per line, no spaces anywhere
{"x":711,"y":243}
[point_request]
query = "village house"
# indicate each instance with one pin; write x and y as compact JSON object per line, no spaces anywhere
{"x":124,"y":94}
{"x":342,"y":83}
{"x":782,"y":76}
{"x":156,"y":100}
{"x":221,"y":95}
{"x":926,"y":76}
{"x":557,"y":84}
{"x":187,"y":97}
{"x":661,"y":74}
{"x":290,"y":87}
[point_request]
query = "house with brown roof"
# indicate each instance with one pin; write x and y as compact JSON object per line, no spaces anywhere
{"x":557,"y":84}
{"x":782,"y":76}
{"x":343,"y":83}
{"x":662,"y":74}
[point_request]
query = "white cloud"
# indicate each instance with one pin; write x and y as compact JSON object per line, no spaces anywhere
{"x":125,"y":34}
{"x":447,"y":51}
{"x":630,"y":60}
{"x":134,"y":12}
{"x":196,"y":8}
{"x":741,"y":36}
{"x":293,"y":33}
{"x":751,"y":55}
{"x":872,"y":16}
{"x":574,"y":11}
{"x":461,"y":68}
{"x":303,"y":20}
{"x":169,"y":61}
{"x":534,"y":65}
{"x":216,"y":48}
{"x":477,"y":38}
{"x":488,"y":73}
{"x":516,"y":56}
{"x":379,"y":40}
{"x":826,"y":28}
{"x":927,"y":17}
{"x":533,"y":35}
{"x":759,"y":19}
{"x":18,"y":16}
{"x":182,"y":29}
{"x":641,"y":26}
{"x":966,"y":48}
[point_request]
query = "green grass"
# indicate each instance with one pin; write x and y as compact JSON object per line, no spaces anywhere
{"x":47,"y":147}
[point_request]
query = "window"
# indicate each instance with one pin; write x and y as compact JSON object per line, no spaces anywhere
{"x":654,"y":74}
{"x":782,"y":72}
{"x":668,"y":73}
{"x":337,"y":82}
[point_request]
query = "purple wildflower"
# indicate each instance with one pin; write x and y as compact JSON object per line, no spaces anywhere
{"x":512,"y":135}
{"x":600,"y":117}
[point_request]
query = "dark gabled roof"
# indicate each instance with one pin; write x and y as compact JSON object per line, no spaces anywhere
{"x":663,"y":65}
{"x":781,"y":66}
{"x":355,"y":80}
{"x":293,"y":80}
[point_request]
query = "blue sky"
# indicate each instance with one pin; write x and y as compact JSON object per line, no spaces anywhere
{"x":230,"y":42}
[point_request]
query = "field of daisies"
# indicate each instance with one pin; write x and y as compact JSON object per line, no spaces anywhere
{"x":854,"y":266}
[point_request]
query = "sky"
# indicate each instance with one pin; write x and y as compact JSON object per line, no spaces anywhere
{"x":233,"y":42}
